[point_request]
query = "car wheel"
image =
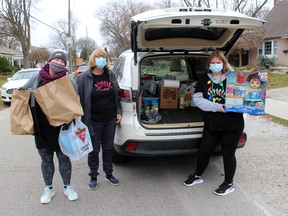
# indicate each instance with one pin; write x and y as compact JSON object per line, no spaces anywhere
{"x":7,"y":103}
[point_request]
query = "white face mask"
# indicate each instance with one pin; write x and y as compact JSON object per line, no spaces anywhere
{"x":216,"y":68}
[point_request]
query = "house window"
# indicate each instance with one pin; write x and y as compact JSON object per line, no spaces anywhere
{"x":275,"y":47}
{"x":268,"y":48}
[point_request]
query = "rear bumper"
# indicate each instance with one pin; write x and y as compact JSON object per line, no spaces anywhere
{"x":159,"y":147}
{"x":164,"y":147}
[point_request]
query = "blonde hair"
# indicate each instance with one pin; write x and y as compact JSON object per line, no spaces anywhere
{"x":96,"y":53}
{"x":221,"y":56}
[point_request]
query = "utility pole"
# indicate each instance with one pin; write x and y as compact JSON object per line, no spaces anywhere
{"x":69,"y":41}
{"x":87,"y":53}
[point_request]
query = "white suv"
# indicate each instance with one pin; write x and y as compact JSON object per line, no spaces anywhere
{"x":169,"y":52}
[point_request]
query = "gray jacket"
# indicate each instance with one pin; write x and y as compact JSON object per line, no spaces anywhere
{"x":33,"y":83}
{"x":85,"y":82}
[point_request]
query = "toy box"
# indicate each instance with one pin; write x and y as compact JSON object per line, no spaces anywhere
{"x":246,"y":92}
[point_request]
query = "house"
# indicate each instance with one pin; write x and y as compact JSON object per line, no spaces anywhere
{"x":13,"y":56}
{"x":275,"y":43}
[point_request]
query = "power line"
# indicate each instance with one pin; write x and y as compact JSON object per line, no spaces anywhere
{"x":37,"y":9}
{"x":48,"y":25}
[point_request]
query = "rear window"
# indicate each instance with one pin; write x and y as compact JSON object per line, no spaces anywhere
{"x":206,"y":33}
{"x":118,"y":68}
{"x":183,"y":67}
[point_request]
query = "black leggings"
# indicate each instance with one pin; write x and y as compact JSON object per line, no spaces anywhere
{"x":229,"y":141}
{"x":48,"y":168}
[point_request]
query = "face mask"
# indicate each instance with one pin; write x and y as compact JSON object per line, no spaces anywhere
{"x":216,"y":68}
{"x":100,"y":62}
{"x":57,"y":68}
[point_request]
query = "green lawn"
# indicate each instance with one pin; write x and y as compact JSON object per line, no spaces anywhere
{"x":276,"y":80}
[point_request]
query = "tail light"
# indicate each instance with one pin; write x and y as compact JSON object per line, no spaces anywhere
{"x":125,"y":95}
{"x":131,"y":146}
{"x":243,"y":138}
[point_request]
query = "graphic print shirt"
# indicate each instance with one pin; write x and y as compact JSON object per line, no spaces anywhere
{"x":103,"y":107}
{"x":216,"y":92}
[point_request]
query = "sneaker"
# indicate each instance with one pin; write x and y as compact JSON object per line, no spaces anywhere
{"x":92,"y":184}
{"x":70,"y":193}
{"x":192,"y":180}
{"x":224,"y":189}
{"x":47,"y":195}
{"x":112,"y":180}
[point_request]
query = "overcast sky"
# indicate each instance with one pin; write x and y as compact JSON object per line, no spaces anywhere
{"x":51,"y":11}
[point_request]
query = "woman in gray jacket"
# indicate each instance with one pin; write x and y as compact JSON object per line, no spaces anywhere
{"x":46,"y":135}
{"x":98,"y":91}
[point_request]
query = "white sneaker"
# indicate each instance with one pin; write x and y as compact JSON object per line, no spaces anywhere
{"x":47,"y":195}
{"x":70,"y":193}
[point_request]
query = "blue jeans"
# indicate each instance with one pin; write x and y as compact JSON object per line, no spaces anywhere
{"x":104,"y":133}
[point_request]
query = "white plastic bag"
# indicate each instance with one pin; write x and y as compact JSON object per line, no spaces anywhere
{"x":75,"y":140}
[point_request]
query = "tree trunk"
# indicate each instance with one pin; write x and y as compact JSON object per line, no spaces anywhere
{"x":240,"y":59}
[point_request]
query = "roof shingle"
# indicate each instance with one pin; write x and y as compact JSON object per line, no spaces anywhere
{"x":277,"y":20}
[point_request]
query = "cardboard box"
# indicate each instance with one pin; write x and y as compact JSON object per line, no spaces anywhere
{"x":168,"y":98}
{"x":246,"y":92}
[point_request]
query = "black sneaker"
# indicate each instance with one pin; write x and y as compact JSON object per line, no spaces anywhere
{"x":224,"y":189}
{"x":92,"y":184}
{"x":112,"y":180}
{"x":192,"y":180}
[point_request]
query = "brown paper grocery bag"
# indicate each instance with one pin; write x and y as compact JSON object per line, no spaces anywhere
{"x":21,"y":120}
{"x":59,"y":102}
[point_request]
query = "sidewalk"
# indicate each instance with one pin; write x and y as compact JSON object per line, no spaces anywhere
{"x":277,"y":103}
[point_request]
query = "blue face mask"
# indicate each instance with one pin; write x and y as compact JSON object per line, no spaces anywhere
{"x":100,"y":62}
{"x":216,"y":68}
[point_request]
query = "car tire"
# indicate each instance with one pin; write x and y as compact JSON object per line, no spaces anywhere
{"x":7,"y":103}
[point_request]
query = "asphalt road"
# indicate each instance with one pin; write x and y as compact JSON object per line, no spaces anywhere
{"x":152,"y":186}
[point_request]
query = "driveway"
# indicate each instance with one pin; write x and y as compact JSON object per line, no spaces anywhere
{"x":152,"y":186}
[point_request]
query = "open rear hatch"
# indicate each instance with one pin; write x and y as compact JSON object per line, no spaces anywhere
{"x":188,"y":29}
{"x":184,"y":31}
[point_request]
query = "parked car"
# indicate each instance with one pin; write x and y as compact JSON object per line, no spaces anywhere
{"x":20,"y":78}
{"x":170,"y":47}
{"x":81,"y":69}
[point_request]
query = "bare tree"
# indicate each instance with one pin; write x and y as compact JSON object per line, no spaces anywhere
{"x":167,"y":4}
{"x":38,"y":55}
{"x":9,"y":42}
{"x":115,"y":22}
{"x":58,"y":37}
{"x":15,"y":15}
{"x":86,"y":45}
